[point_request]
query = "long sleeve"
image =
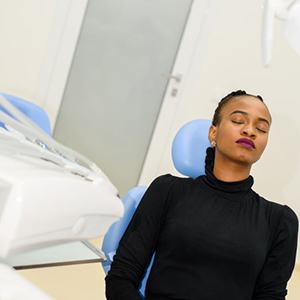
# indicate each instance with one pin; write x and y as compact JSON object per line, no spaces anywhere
{"x":138,"y":242}
{"x":278,"y":268}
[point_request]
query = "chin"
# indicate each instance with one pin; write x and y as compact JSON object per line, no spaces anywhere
{"x":243,"y":158}
{"x":240,"y":156}
{"x":246,"y":159}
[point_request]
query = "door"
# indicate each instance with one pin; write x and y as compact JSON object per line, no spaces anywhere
{"x":117,"y":82}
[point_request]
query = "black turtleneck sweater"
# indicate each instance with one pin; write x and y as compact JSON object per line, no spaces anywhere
{"x":213,"y":240}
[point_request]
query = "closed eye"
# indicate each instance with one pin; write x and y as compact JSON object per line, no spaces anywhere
{"x":264,"y":131}
{"x":241,"y":122}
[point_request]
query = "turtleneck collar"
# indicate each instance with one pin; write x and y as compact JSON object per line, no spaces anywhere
{"x":230,"y":187}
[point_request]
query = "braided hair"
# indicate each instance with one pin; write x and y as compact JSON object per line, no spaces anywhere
{"x":217,"y":115}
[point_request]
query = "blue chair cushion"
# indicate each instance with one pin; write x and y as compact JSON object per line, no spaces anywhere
{"x":117,"y":229}
{"x":189,"y":148}
{"x":31,"y":110}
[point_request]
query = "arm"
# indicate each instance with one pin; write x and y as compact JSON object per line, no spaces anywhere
{"x":138,"y":242}
{"x":278,"y":268}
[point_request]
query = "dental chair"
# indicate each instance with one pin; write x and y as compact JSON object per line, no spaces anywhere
{"x":188,"y":154}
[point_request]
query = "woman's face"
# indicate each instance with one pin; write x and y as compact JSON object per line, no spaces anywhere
{"x":245,"y":120}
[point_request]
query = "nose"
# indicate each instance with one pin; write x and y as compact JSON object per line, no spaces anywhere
{"x":249,"y":130}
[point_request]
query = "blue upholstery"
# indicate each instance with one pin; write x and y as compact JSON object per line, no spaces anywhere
{"x":31,"y":110}
{"x":189,"y":148}
{"x":188,"y":154}
{"x":116,"y":230}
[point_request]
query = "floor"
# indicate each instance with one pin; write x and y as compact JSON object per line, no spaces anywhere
{"x":87,"y":282}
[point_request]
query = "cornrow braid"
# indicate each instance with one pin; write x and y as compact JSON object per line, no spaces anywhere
{"x":217,"y":115}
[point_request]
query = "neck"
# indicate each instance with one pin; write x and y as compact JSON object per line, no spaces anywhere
{"x":229,"y":170}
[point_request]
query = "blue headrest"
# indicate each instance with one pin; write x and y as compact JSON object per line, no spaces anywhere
{"x":31,"y":110}
{"x":189,"y":148}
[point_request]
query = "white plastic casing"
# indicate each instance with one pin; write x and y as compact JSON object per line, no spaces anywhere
{"x":43,"y":204}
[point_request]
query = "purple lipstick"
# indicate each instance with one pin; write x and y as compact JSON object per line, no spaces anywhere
{"x":246,"y":143}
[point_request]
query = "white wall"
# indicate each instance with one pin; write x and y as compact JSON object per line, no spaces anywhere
{"x":38,"y":39}
{"x":231,"y":61}
{"x":25,"y":27}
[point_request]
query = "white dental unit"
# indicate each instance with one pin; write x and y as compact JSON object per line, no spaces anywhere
{"x":48,"y":195}
{"x":288,"y":11}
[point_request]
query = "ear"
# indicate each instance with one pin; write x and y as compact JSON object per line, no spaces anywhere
{"x":212,"y":133}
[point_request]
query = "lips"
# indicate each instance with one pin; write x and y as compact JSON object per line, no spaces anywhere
{"x":246,"y":142}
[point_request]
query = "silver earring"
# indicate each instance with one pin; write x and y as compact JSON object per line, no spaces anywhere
{"x":213,"y":143}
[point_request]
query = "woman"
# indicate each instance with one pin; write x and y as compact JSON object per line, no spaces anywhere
{"x":214,"y":237}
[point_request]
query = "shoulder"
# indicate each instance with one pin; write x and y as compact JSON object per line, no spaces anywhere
{"x":279,"y":214}
{"x":171,"y":181}
{"x":271,"y":208}
{"x":170,"y":186}
{"x":162,"y":185}
{"x":283,"y":216}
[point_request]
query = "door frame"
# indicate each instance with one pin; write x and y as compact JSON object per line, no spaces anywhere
{"x":63,"y":38}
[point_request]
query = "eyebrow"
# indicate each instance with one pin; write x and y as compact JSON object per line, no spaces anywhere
{"x":246,"y":114}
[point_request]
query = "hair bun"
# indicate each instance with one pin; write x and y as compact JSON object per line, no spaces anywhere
{"x":209,"y":159}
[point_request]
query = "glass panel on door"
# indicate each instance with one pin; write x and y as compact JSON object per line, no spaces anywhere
{"x":120,"y":70}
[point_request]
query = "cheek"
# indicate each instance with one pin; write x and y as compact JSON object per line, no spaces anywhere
{"x":263,"y":143}
{"x":226,"y":135}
